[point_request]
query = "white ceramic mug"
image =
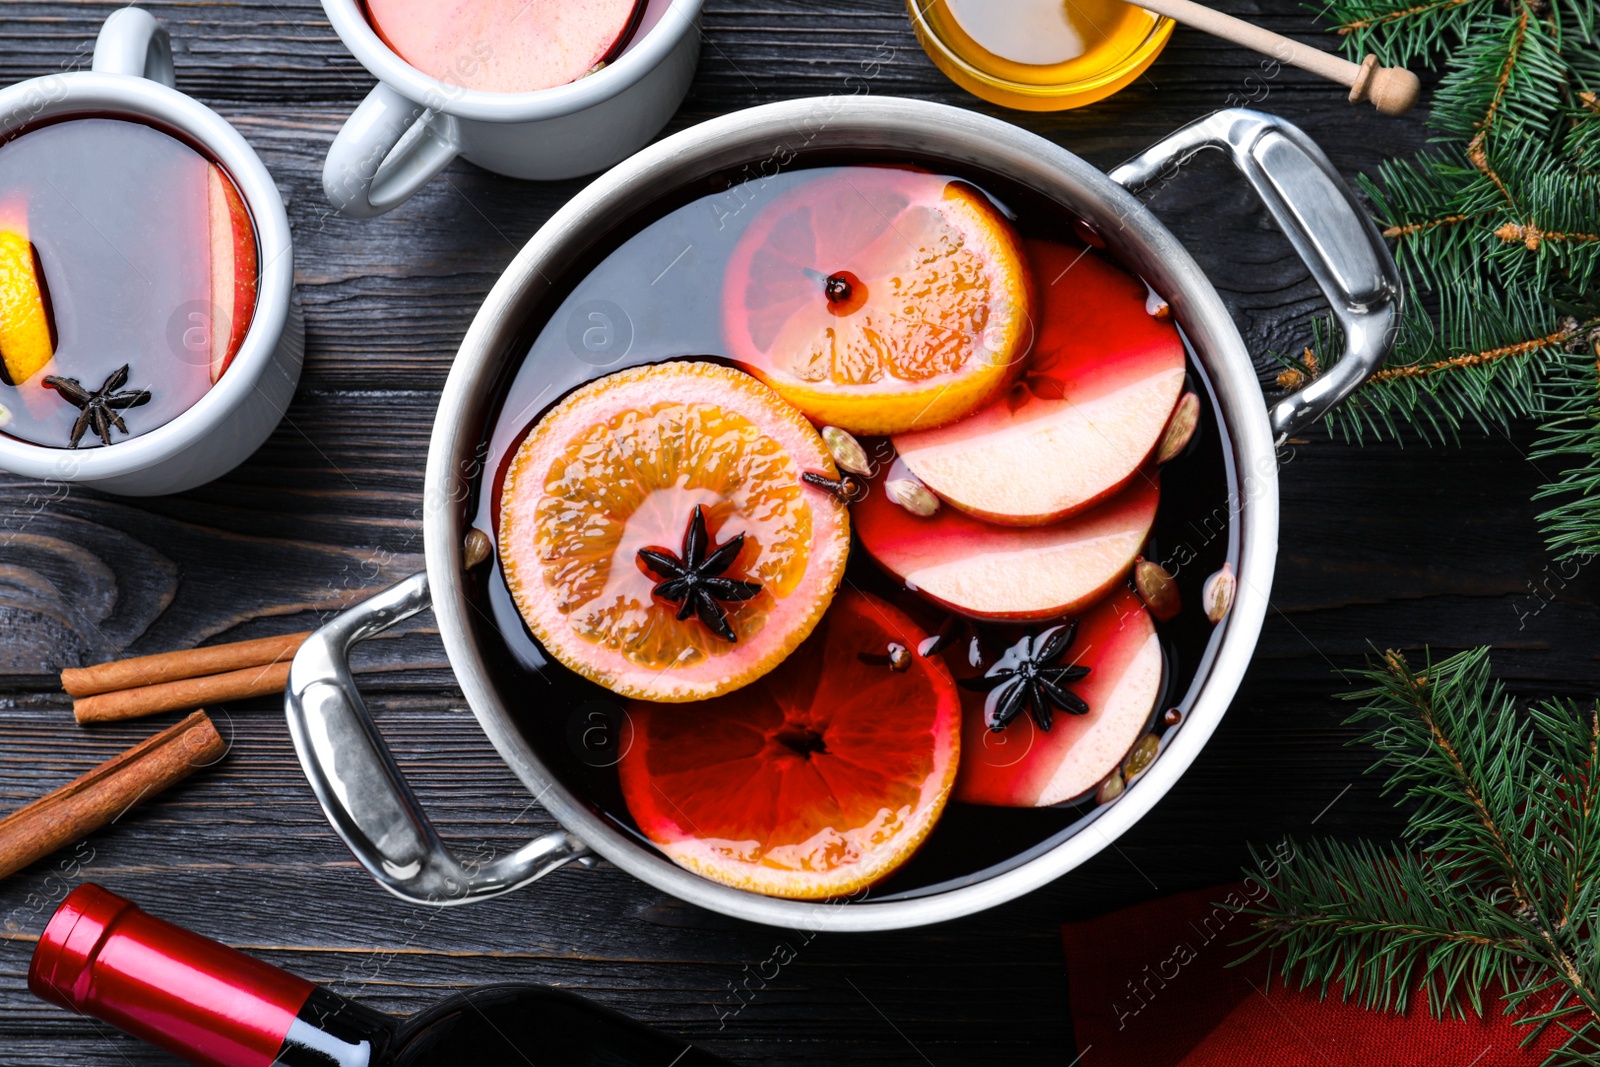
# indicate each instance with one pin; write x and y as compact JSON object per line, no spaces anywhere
{"x":412,"y":125}
{"x":132,"y":77}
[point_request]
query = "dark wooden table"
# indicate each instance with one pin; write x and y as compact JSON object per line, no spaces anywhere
{"x":1397,"y":547}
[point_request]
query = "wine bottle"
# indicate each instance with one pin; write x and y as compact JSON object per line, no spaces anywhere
{"x":100,"y":955}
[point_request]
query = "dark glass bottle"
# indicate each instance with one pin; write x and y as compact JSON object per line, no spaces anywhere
{"x":102,"y":956}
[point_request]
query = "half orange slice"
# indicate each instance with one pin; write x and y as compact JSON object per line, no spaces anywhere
{"x":27,"y":339}
{"x":622,"y":465}
{"x":817,"y":781}
{"x":880,"y":300}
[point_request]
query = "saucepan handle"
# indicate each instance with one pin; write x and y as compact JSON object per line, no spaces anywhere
{"x":1326,"y":225}
{"x":360,"y":787}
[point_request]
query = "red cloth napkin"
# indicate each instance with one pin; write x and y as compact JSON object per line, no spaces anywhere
{"x":1150,"y":987}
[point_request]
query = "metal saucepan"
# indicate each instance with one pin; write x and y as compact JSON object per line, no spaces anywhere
{"x":350,"y":769}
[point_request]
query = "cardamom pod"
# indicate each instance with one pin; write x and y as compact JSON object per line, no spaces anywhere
{"x":1143,"y":754}
{"x":1110,"y":789}
{"x":476,"y":549}
{"x":1218,"y":593}
{"x":912,"y":495}
{"x":1157,"y":589}
{"x":1180,"y":428}
{"x":846,"y":451}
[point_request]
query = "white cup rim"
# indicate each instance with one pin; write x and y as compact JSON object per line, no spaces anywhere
{"x":93,"y":94}
{"x":644,"y":53}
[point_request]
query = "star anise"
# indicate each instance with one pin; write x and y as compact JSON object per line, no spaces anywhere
{"x":694,"y":581}
{"x":1024,"y":678}
{"x":99,"y":409}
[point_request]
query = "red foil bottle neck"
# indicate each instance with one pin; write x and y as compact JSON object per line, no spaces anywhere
{"x":210,"y":1004}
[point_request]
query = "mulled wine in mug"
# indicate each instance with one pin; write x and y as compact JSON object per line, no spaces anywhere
{"x":164,"y":360}
{"x":536,"y":89}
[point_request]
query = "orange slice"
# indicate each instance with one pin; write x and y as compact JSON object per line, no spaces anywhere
{"x":880,"y":300}
{"x":26,"y":339}
{"x":621,"y":465}
{"x":815,"y":782}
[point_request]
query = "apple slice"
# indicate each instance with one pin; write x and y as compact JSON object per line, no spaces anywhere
{"x":1022,"y":766}
{"x":506,"y":46}
{"x":233,"y":270}
{"x":1006,"y":572}
{"x":1101,"y":383}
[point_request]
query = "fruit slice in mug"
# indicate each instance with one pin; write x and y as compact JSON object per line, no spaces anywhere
{"x":879,"y":300}
{"x":1096,"y":394}
{"x":27,"y":334}
{"x":1006,"y":572}
{"x":505,"y":46}
{"x":1023,"y":766}
{"x":233,"y":269}
{"x":816,"y":781}
{"x":657,"y":537}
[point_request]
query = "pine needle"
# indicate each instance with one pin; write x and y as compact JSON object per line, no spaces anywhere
{"x":1496,"y":230}
{"x":1492,"y":898}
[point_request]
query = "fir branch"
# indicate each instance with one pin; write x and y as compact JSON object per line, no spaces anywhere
{"x":1531,"y":235}
{"x":1497,"y":236}
{"x":1482,"y":361}
{"x":1402,"y":31}
{"x":1414,"y":11}
{"x":1473,"y":359}
{"x":1412,"y":229}
{"x":1497,"y":885}
{"x":1572,"y":434}
{"x":1381,"y":928}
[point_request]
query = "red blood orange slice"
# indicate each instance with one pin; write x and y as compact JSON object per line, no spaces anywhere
{"x":505,"y":46}
{"x":1098,"y":389}
{"x":621,"y":465}
{"x":1007,"y":572}
{"x":814,"y":782}
{"x":233,"y":270}
{"x":879,"y":299}
{"x":1022,"y":765}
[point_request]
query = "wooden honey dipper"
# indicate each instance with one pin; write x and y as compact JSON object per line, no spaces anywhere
{"x":1392,"y":90}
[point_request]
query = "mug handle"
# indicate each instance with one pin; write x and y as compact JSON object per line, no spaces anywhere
{"x":362,"y":790}
{"x":1326,"y":225}
{"x":387,"y":149}
{"x":133,"y":42}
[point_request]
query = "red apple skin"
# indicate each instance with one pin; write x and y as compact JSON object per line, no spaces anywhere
{"x":233,"y":270}
{"x":1100,"y":385}
{"x":1024,"y":767}
{"x":1006,"y":573}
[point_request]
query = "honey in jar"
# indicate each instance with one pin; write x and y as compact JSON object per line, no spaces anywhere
{"x":1039,"y":55}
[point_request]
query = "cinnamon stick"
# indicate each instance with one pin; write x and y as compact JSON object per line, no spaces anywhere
{"x":184,"y":693}
{"x":173,"y":666}
{"x":101,"y":796}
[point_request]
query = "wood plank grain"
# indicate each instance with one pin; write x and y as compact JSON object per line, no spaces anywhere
{"x":1397,"y":546}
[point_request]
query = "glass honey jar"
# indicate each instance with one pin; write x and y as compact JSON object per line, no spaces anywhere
{"x":1039,"y":55}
